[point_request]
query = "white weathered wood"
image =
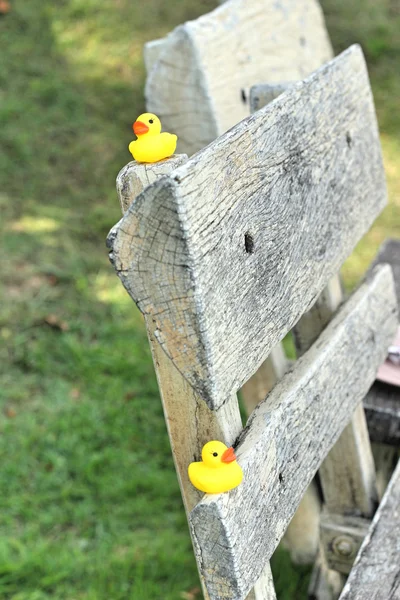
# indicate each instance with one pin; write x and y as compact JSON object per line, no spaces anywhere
{"x":190,"y":422}
{"x":376,"y":571}
{"x":134,"y":177}
{"x":341,"y":539}
{"x":348,"y":473}
{"x":199,"y":76}
{"x":237,"y":243}
{"x":263,"y":93}
{"x":264,"y":588}
{"x":301,"y":538}
{"x":302,"y":534}
{"x":287,"y":437}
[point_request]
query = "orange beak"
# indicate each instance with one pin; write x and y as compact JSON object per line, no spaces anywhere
{"x":229,"y":455}
{"x":139,"y":128}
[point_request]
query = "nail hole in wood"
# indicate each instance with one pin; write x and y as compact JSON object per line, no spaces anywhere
{"x":280,"y":478}
{"x":249,"y":243}
{"x":349,"y":139}
{"x":243,"y":96}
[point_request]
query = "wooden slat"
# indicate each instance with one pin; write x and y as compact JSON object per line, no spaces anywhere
{"x":287,"y":437}
{"x":237,"y":243}
{"x":376,"y":571}
{"x":199,"y":76}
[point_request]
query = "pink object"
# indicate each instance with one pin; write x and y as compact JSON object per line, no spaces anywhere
{"x":389,"y":372}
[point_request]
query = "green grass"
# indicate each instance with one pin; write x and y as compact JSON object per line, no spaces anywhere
{"x":89,"y":503}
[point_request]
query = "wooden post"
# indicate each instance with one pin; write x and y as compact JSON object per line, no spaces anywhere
{"x":190,"y":422}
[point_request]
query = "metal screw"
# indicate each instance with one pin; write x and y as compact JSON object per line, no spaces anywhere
{"x":343,"y":546}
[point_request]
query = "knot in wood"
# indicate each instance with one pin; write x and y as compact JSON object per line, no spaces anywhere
{"x":344,"y":546}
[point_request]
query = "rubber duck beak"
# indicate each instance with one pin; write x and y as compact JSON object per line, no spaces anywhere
{"x":229,"y":455}
{"x":139,"y":128}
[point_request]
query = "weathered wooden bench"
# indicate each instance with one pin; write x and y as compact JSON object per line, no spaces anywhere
{"x":223,"y":255}
{"x":198,"y":80}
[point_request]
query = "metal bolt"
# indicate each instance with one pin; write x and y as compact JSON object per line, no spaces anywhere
{"x":343,"y":546}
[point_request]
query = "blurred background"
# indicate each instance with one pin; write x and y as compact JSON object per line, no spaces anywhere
{"x":89,"y":503}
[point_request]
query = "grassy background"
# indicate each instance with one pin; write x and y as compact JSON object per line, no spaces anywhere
{"x":89,"y":504}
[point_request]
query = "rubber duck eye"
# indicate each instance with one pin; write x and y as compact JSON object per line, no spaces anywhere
{"x":151,"y":121}
{"x":215,"y":453}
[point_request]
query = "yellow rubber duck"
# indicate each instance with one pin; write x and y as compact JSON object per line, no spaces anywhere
{"x":218,"y":472}
{"x":151,"y":145}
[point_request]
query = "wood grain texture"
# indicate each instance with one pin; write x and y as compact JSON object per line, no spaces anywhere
{"x":287,"y":437}
{"x":302,"y":535}
{"x":199,"y":78}
{"x":190,"y":423}
{"x":134,"y":177}
{"x":237,"y":243}
{"x":376,"y":571}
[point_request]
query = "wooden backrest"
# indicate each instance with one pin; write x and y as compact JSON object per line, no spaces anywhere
{"x":200,"y":74}
{"x":227,"y":252}
{"x":288,"y":436}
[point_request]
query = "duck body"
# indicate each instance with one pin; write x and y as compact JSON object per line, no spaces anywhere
{"x":153,"y":148}
{"x":218,"y":472}
{"x":151,"y":145}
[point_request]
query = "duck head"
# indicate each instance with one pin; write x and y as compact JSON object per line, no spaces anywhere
{"x":215,"y":454}
{"x":147,"y":123}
